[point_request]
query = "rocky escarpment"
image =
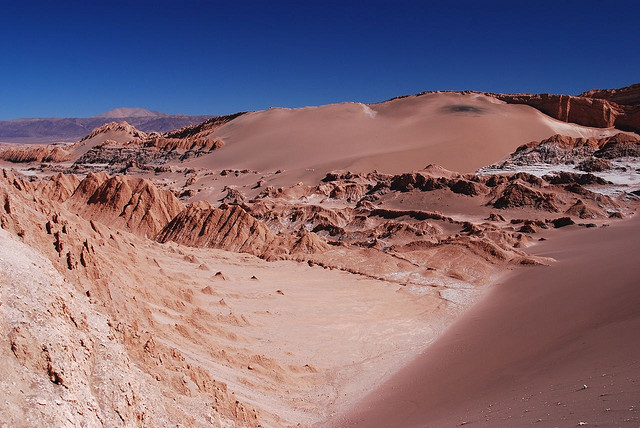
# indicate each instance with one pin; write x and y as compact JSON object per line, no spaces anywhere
{"x":584,"y":110}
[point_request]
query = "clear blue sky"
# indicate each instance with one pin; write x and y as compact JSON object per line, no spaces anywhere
{"x":75,"y":59}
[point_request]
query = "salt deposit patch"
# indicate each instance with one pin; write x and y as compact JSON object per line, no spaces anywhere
{"x":625,"y":174}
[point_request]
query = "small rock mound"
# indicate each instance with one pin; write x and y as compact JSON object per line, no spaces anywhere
{"x":564,"y":177}
{"x":619,"y":146}
{"x":123,"y":127}
{"x":562,"y":222}
{"x":233,"y":197}
{"x":426,"y":182}
{"x":581,"y":210}
{"x":309,"y":243}
{"x":594,"y":165}
{"x":516,"y":195}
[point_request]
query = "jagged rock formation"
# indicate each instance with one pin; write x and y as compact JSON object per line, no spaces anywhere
{"x":233,"y":229}
{"x":134,"y":204}
{"x":426,"y":182}
{"x":59,"y":188}
{"x":620,"y":146}
{"x":230,"y":228}
{"x":594,"y":165}
{"x":76,"y":344}
{"x":560,"y":149}
{"x":564,"y":177}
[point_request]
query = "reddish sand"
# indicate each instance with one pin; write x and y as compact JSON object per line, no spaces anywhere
{"x":461,"y":132}
{"x":525,"y":353}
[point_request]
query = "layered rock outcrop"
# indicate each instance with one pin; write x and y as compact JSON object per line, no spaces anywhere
{"x":598,"y":109}
{"x":231,"y":228}
{"x":134,"y":204}
{"x":49,"y":153}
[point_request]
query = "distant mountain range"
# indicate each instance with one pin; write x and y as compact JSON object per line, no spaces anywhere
{"x":51,"y":130}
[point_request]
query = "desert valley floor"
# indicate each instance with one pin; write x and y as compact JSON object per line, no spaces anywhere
{"x":441,"y":259}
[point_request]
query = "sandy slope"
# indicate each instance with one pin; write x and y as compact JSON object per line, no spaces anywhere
{"x":524,"y":354}
{"x":460,"y":132}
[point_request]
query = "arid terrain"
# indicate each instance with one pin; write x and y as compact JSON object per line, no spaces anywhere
{"x":436,"y":259}
{"x":70,"y":129}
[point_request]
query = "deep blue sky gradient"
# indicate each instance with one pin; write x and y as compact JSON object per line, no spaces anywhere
{"x":75,"y":59}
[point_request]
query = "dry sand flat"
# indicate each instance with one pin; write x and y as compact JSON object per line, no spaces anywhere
{"x":557,"y":346}
{"x":461,"y":132}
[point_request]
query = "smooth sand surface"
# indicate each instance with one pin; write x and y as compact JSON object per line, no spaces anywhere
{"x":550,"y":346}
{"x":461,"y":132}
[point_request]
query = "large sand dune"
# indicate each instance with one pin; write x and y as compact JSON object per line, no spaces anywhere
{"x":461,"y":132}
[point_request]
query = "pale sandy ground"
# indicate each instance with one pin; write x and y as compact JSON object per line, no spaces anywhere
{"x":552,"y":346}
